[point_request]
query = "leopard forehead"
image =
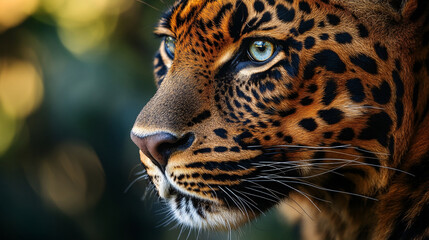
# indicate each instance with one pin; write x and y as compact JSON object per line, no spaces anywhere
{"x":336,"y":96}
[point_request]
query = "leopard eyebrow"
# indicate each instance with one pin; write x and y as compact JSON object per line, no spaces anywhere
{"x":255,"y":24}
{"x":162,"y":32}
{"x":163,"y":25}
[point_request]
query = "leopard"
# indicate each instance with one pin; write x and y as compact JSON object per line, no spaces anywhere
{"x":315,"y":105}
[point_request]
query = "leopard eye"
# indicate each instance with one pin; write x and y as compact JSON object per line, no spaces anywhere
{"x":170,"y":45}
{"x":261,"y":50}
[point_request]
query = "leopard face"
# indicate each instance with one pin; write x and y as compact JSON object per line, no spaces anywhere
{"x":261,"y":99}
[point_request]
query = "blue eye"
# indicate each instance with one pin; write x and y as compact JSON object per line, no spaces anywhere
{"x":261,"y":50}
{"x":170,"y":46}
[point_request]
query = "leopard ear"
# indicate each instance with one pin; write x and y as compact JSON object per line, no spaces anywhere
{"x":410,"y":9}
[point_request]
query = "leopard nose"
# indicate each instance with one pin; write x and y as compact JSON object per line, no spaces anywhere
{"x":160,"y":146}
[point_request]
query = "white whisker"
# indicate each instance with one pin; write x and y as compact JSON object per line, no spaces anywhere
{"x":134,"y":181}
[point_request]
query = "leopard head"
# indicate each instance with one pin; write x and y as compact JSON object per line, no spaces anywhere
{"x":258,"y":99}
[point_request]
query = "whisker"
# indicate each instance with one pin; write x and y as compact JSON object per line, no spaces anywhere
{"x":345,"y":146}
{"x":238,"y":201}
{"x":208,"y":185}
{"x":304,"y":160}
{"x":356,"y":163}
{"x":322,"y":173}
{"x":175,"y":226}
{"x":283,"y":170}
{"x":300,"y":146}
{"x":189,"y":233}
{"x":247,"y":203}
{"x":145,"y":3}
{"x":140,"y":173}
{"x":299,"y":205}
{"x":332,"y":190}
{"x":302,"y":193}
{"x":232,"y":199}
{"x":149,"y":190}
{"x":269,"y":190}
{"x":134,"y":181}
{"x":325,"y":151}
{"x":167,"y":220}
{"x":198,"y":233}
{"x":259,"y":196}
{"x":256,"y":190}
{"x":253,"y":205}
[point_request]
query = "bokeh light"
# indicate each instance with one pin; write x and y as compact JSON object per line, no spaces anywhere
{"x":82,"y":39}
{"x":21,"y":87}
{"x":8,"y":128}
{"x":71,"y":178}
{"x":85,"y":24}
{"x":13,"y":12}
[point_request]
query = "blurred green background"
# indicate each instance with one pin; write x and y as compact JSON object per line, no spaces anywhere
{"x":74,"y":74}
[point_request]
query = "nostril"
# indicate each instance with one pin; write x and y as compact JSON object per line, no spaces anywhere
{"x":155,"y":146}
{"x":184,"y":142}
{"x":159,"y":147}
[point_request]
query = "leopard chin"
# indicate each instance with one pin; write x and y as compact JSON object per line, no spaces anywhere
{"x":198,"y":213}
{"x":193,"y":210}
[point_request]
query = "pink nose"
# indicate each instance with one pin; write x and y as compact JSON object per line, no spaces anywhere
{"x":159,"y":147}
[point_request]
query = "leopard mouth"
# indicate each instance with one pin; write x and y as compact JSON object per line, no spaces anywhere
{"x":221,"y":208}
{"x":191,"y":210}
{"x":199,"y":213}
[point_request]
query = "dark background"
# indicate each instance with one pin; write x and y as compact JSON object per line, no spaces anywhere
{"x":74,"y":74}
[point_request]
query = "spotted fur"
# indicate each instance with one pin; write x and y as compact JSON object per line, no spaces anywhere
{"x":335,"y":123}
